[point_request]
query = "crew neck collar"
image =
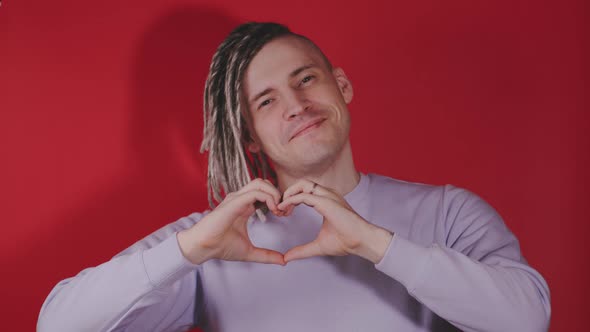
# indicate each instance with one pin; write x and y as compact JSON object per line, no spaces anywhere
{"x":360,"y":190}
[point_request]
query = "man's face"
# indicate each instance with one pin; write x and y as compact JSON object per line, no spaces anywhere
{"x":297,"y":105}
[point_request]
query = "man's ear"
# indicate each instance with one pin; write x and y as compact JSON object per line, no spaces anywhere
{"x":343,"y":84}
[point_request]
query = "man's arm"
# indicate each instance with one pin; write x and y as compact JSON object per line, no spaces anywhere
{"x":148,"y":286}
{"x":472,"y":295}
{"x":151,"y":286}
{"x":472,"y":276}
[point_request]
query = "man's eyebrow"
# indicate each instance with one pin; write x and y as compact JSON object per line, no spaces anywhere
{"x":292,"y":74}
{"x":260,"y":94}
{"x":300,"y":69}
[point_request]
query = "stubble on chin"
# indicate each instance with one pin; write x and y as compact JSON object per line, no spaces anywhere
{"x":311,"y":158}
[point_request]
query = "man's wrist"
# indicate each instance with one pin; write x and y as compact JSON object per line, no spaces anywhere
{"x":190,"y":248}
{"x":375,"y":243}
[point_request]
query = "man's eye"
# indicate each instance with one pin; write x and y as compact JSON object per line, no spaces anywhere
{"x":264,"y":103}
{"x":307,"y":79}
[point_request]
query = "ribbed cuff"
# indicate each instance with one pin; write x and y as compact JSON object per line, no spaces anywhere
{"x":165,"y":263}
{"x":404,"y":261}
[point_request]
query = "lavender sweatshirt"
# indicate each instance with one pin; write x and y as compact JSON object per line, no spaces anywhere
{"x":452,"y":264}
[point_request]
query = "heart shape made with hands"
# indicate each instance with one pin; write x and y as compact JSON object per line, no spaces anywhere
{"x":343,"y":231}
{"x":222,"y":234}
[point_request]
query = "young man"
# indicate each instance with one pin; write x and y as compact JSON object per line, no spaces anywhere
{"x":364,"y":252}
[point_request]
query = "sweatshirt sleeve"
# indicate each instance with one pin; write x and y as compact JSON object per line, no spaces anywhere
{"x":149,"y":286}
{"x":473,"y":275}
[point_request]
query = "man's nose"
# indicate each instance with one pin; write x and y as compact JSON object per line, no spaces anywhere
{"x":295,"y":103}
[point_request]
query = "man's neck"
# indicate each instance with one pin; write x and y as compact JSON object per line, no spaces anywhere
{"x":340,"y":175}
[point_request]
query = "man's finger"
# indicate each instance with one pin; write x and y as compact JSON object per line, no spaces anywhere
{"x":266,"y":256}
{"x":307,"y":250}
{"x":317,"y":202}
{"x":262,"y":185}
{"x":253,"y":196}
{"x":300,"y":186}
{"x":309,"y":187}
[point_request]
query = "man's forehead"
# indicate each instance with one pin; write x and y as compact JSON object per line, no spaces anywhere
{"x":280,"y":57}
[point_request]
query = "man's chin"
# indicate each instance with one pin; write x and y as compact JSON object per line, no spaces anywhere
{"x":314,"y":156}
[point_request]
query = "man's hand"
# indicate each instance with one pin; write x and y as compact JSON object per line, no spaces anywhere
{"x":343,"y":231}
{"x":223,"y":234}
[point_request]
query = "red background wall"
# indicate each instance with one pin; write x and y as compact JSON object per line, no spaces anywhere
{"x":100,"y":106}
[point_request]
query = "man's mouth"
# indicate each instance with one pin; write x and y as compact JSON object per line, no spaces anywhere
{"x":306,"y":127}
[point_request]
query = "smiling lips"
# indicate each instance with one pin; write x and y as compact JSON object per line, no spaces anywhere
{"x":305,"y":127}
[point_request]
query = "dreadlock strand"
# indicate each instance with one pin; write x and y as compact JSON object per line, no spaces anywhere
{"x":232,"y":94}
{"x":226,"y":125}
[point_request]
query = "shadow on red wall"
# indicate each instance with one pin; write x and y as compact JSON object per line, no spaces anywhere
{"x":163,"y":178}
